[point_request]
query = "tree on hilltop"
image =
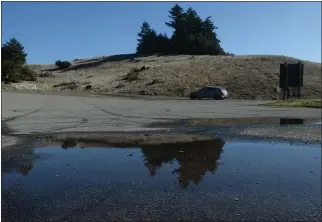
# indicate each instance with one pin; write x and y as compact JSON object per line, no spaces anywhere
{"x":147,"y":42}
{"x":191,"y":35}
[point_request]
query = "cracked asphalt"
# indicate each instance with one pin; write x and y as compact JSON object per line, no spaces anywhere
{"x":27,"y":113}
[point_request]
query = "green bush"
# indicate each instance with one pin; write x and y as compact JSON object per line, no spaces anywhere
{"x":12,"y":72}
{"x":63,"y":64}
{"x":28,"y":74}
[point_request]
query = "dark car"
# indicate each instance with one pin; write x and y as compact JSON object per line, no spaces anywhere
{"x":214,"y":92}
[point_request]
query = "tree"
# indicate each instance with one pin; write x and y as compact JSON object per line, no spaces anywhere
{"x":14,"y":51}
{"x":176,"y":15}
{"x":191,"y":35}
{"x":163,"y":44}
{"x":147,"y":42}
{"x":193,"y":30}
{"x":62,"y":65}
{"x":208,"y":37}
{"x":14,"y":66}
{"x":177,"y":20}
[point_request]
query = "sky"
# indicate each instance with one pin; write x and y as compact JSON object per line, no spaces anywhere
{"x":50,"y":31}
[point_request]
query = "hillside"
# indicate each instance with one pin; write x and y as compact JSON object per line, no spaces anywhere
{"x":245,"y":77}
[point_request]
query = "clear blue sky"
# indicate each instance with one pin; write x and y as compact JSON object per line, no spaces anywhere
{"x":68,"y":30}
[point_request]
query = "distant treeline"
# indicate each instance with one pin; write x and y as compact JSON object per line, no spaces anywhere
{"x":191,"y":35}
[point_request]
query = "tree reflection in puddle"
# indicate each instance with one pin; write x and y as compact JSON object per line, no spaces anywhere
{"x":195,"y":159}
{"x":25,"y":169}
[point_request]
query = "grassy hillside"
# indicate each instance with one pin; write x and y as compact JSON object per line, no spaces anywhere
{"x":245,"y":77}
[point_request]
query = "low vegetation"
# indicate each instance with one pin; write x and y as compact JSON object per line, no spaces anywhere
{"x":63,"y":64}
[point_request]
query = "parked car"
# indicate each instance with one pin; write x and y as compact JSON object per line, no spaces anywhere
{"x":214,"y":92}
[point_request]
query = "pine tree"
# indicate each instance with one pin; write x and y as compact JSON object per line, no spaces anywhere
{"x":176,"y":16}
{"x":193,"y":29}
{"x":163,"y":43}
{"x":13,"y":67}
{"x":14,"y":51}
{"x":177,"y":20}
{"x":191,"y":35}
{"x":147,"y":43}
{"x":210,"y":42}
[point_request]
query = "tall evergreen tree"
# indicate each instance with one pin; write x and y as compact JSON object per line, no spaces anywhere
{"x":193,"y":28}
{"x":191,"y":35}
{"x":147,"y":42}
{"x":163,"y":44}
{"x":14,"y":51}
{"x":13,"y":67}
{"x":210,"y":42}
{"x":176,"y":15}
{"x":177,"y":20}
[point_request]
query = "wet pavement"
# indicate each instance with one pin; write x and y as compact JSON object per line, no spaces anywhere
{"x":204,"y":180}
{"x":243,"y":122}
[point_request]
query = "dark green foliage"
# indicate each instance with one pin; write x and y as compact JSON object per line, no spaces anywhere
{"x":147,"y":43}
{"x":14,"y":68}
{"x":28,"y":74}
{"x":163,"y":44}
{"x":13,"y":51}
{"x":58,"y":63}
{"x":191,"y":35}
{"x":63,"y":64}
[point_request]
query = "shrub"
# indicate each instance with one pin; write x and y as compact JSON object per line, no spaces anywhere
{"x":12,"y":72}
{"x":63,"y":64}
{"x":229,"y":54}
{"x":28,"y":74}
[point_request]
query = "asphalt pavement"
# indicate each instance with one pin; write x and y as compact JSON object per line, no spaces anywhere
{"x":26,"y":113}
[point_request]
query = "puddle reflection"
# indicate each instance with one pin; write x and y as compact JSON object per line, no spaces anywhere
{"x":189,"y":162}
{"x":56,"y":183}
{"x":25,"y":169}
{"x":195,"y":159}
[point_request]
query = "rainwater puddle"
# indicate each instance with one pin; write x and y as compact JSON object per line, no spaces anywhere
{"x":237,"y":122}
{"x":209,"y":180}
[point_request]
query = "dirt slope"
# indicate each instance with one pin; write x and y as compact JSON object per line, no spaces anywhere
{"x":245,"y":77}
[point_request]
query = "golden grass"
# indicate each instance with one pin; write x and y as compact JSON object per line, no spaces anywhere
{"x":245,"y":77}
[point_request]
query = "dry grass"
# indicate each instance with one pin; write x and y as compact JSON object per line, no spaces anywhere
{"x":245,"y":77}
